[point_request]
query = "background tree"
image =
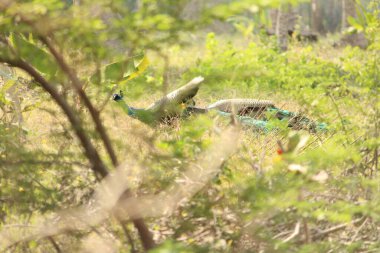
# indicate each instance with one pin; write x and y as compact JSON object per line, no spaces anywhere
{"x":354,"y":38}
{"x":317,"y":25}
{"x":283,"y":22}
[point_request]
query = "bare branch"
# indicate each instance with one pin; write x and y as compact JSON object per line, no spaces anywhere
{"x":336,"y":228}
{"x":55,"y":244}
{"x":79,"y":89}
{"x":97,"y":164}
{"x":143,"y":230}
{"x":295,"y":233}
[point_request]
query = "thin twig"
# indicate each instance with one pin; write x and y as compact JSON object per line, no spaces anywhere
{"x":109,"y":96}
{"x":165,"y":81}
{"x":306,"y":231}
{"x":339,"y":114}
{"x":281,"y":234}
{"x":129,"y":237}
{"x":336,"y":228}
{"x":358,"y":230}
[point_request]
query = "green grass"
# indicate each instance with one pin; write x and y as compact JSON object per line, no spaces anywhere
{"x":256,"y":195}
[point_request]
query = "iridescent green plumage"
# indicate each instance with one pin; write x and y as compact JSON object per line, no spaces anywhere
{"x":249,"y":112}
{"x":167,"y":107}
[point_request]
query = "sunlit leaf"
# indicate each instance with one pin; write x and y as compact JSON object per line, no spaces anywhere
{"x":122,"y":71}
{"x":34,"y":54}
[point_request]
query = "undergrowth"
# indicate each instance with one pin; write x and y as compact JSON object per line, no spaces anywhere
{"x":319,"y":193}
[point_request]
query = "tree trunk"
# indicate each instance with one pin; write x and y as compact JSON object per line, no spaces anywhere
{"x":273,"y":17}
{"x":292,"y":18}
{"x":133,"y":5}
{"x":192,"y":10}
{"x":285,"y":20}
{"x":317,"y":25}
{"x":348,"y":9}
{"x":354,"y":39}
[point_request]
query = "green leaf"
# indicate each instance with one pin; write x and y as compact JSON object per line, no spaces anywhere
{"x":361,"y":13}
{"x":122,"y":71}
{"x":354,"y":23}
{"x":34,"y":54}
{"x":116,"y":71}
{"x":32,"y":244}
{"x":294,"y":139}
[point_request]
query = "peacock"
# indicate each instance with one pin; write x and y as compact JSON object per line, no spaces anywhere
{"x":254,"y":112}
{"x":249,"y":112}
{"x":166,"y":108}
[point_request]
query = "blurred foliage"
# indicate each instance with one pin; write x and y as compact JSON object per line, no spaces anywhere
{"x":330,"y":178}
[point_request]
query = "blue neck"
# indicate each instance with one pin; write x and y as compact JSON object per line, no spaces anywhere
{"x":129,"y":110}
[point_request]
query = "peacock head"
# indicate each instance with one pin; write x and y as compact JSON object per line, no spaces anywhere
{"x":118,"y":96}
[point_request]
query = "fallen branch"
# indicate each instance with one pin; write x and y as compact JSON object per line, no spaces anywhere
{"x":281,"y":234}
{"x":295,"y":233}
{"x":328,"y":231}
{"x":358,"y":230}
